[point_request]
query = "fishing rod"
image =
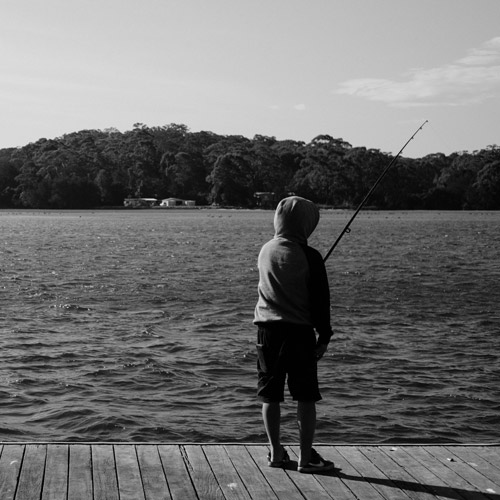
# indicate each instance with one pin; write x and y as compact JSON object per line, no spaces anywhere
{"x":347,"y":228}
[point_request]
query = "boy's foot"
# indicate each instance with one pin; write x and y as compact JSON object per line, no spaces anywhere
{"x":283,"y":462}
{"x":316,"y":464}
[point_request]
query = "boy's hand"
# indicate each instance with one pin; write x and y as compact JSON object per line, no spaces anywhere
{"x":320,"y":350}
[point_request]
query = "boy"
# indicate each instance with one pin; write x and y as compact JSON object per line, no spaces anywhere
{"x":294,"y":301}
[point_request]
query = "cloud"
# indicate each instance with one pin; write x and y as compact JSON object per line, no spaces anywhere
{"x":471,"y":79}
{"x":300,"y":107}
{"x":489,"y":53}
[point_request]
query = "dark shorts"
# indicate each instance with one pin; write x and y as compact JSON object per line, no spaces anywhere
{"x":286,"y":352}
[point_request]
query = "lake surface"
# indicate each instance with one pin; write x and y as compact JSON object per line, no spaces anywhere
{"x":137,"y":326}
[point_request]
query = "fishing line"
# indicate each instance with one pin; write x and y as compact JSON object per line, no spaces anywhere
{"x":442,"y":140}
{"x":347,"y":228}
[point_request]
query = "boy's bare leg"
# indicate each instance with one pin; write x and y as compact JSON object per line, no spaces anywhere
{"x":306,"y":419}
{"x":271,"y":414}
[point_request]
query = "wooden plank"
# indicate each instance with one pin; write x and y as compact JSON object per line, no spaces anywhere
{"x":490,"y":453}
{"x":153,"y":478}
{"x":10,"y":465}
{"x":250,"y":473}
{"x":307,"y":484}
{"x":128,"y":472}
{"x":447,"y":477}
{"x":473,"y":477}
{"x":201,"y":474}
{"x":332,"y":481}
{"x":178,"y":479}
{"x":240,"y":472}
{"x":374,"y":475}
{"x":350,"y":475}
{"x":80,"y":472}
{"x":278,"y":479}
{"x":55,"y":485}
{"x":408,"y":474}
{"x":104,"y":472}
{"x":32,"y":470}
{"x":472,"y":456}
{"x":225,"y":473}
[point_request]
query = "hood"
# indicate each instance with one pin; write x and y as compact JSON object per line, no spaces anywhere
{"x":295,"y":219}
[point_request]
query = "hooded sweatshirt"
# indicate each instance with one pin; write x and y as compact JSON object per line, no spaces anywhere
{"x":293,"y":285}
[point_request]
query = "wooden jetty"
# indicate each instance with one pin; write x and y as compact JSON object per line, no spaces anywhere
{"x":133,"y":471}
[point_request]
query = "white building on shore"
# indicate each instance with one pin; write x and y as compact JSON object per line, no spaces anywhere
{"x":177,"y":202}
{"x":140,"y":202}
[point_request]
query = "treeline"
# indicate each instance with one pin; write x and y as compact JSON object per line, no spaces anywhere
{"x":99,"y":168}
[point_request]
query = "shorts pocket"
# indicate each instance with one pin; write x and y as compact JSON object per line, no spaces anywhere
{"x":261,"y":358}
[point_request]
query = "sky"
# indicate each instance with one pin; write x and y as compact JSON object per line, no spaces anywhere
{"x":367,"y":71}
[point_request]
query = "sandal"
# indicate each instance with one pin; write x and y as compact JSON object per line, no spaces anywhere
{"x":279,"y":463}
{"x":316,"y":464}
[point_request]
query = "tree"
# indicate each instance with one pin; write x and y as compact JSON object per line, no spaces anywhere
{"x":233,"y":180}
{"x":8,"y":174}
{"x":186,"y":176}
{"x":453,"y":184}
{"x":94,"y":167}
{"x":322,"y":176}
{"x":486,"y":188}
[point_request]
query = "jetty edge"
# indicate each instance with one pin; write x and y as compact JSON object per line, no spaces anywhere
{"x":223,"y":471}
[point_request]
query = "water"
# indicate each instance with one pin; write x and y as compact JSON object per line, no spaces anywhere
{"x":136,"y":326}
